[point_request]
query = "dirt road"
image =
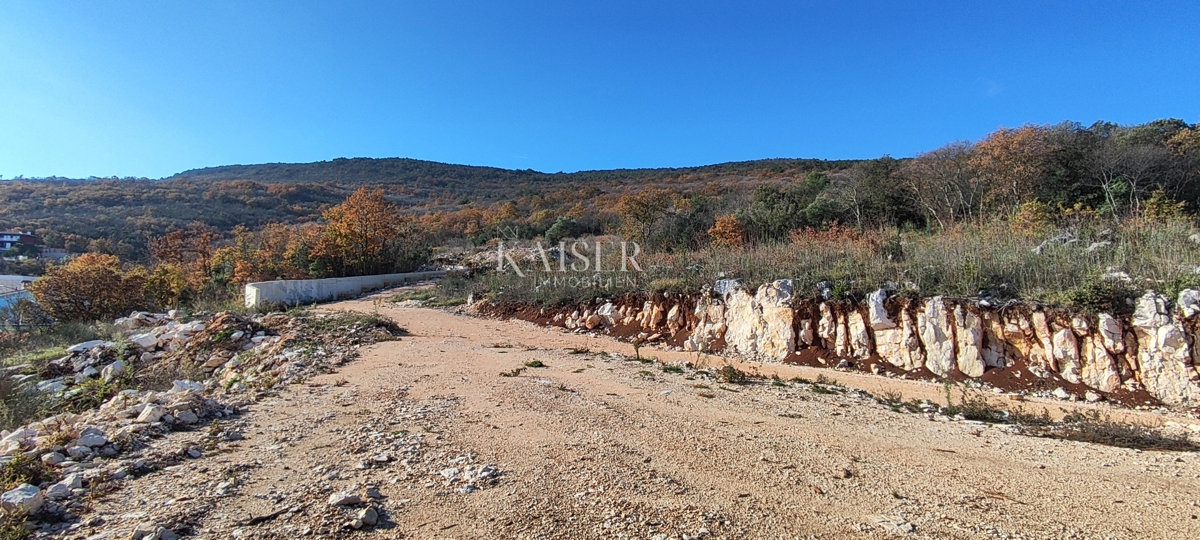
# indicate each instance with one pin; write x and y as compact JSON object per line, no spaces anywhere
{"x":427,"y":433}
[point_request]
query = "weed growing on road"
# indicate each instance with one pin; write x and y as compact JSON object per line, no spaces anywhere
{"x":731,"y":375}
{"x":825,"y":385}
{"x":973,"y":405}
{"x":826,"y":381}
{"x":1091,"y":427}
{"x":515,"y":372}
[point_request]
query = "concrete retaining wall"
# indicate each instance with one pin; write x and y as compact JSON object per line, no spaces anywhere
{"x":307,"y":291}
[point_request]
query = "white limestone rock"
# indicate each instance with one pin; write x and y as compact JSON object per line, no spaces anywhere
{"x":1164,"y":359}
{"x":777,"y":340}
{"x":85,"y":346}
{"x":151,"y":414}
{"x":858,"y":335}
{"x":24,"y":498}
{"x":969,"y":334}
{"x":112,"y":371}
{"x":710,"y":326}
{"x":1111,"y":333}
{"x":1189,"y":302}
{"x":91,"y":438}
{"x":147,"y":341}
{"x":743,"y":323}
{"x":878,"y":313}
{"x":1066,"y":354}
{"x":760,"y":326}
{"x":1099,"y":367}
{"x":901,"y":346}
{"x":608,"y":312}
{"x":937,"y":334}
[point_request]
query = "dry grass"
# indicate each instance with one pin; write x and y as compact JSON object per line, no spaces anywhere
{"x":1001,"y":258}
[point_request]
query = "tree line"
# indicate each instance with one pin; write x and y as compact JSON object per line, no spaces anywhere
{"x":1061,"y":172}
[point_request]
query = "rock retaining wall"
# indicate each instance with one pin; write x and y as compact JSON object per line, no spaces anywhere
{"x":1153,"y":351}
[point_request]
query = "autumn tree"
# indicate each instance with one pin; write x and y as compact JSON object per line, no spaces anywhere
{"x":168,"y":286}
{"x":189,"y":251}
{"x":1185,"y":141}
{"x":91,"y":287}
{"x":366,"y":235}
{"x":728,"y":231}
{"x":1009,"y":163}
{"x":642,"y":210}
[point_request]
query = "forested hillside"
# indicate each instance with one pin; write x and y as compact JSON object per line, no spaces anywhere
{"x":119,"y":216}
{"x":1048,"y":173}
{"x":1066,"y":214}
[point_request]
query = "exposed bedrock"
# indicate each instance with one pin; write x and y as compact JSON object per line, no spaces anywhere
{"x":1153,"y":349}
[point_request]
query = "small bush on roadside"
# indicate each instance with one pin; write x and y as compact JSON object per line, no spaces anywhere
{"x":22,"y":469}
{"x":92,"y":287}
{"x":972,"y":405}
{"x":731,"y":375}
{"x":1093,"y":428}
{"x":1098,"y":295}
{"x":21,"y":404}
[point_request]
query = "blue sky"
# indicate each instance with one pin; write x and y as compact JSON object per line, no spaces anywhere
{"x":154,"y":88}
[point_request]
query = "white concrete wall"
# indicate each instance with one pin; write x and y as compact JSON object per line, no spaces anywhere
{"x":306,"y":291}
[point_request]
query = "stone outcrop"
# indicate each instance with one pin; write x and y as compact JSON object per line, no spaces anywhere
{"x":968,"y":334}
{"x":937,"y":334}
{"x":760,"y":325}
{"x":1163,"y":357}
{"x":1152,"y":350}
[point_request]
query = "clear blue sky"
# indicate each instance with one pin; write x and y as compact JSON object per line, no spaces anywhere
{"x":154,"y":88}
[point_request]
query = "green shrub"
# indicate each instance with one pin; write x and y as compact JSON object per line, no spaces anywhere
{"x":22,"y":469}
{"x":730,"y":374}
{"x":1096,"y":295}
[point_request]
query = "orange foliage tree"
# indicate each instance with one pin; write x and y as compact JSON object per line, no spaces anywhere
{"x":278,"y":251}
{"x":728,"y":232}
{"x":1009,"y":163}
{"x":366,"y":235}
{"x":642,"y":210}
{"x":185,"y":254}
{"x":91,"y":287}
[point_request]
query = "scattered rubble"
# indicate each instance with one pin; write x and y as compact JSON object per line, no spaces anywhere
{"x":121,"y":399}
